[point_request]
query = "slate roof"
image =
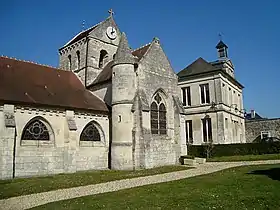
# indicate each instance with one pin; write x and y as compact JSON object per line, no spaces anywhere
{"x":248,"y":116}
{"x":197,"y":67}
{"x":201,"y":66}
{"x":83,"y":34}
{"x":140,"y":52}
{"x":105,"y":74}
{"x":27,"y":83}
{"x":79,"y":36}
{"x":124,"y":53}
{"x":221,"y":44}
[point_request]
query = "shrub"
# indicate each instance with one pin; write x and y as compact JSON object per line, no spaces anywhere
{"x":235,"y":149}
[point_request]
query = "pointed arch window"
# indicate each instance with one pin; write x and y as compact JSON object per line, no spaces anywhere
{"x":90,"y":133}
{"x":69,"y":62}
{"x":162,"y":119}
{"x":103,"y":58}
{"x":36,"y":130}
{"x":78,"y":59}
{"x":158,"y":116}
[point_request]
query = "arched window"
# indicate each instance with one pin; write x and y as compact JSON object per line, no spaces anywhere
{"x":158,"y":116}
{"x":154,"y":118}
{"x":36,"y":129}
{"x":103,"y":58}
{"x":162,"y":119}
{"x":69,"y":62}
{"x":90,"y":133}
{"x":78,"y":59}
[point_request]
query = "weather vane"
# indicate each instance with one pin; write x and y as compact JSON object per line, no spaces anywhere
{"x":220,"y":36}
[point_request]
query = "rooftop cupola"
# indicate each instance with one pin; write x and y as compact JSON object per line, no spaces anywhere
{"x":222,"y":50}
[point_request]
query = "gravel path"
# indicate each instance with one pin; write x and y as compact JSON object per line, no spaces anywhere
{"x":29,"y":201}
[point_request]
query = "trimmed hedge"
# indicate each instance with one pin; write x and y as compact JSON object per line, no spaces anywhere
{"x":219,"y":150}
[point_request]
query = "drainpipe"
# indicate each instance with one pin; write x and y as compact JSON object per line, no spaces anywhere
{"x":14,"y":153}
{"x":86,"y":63}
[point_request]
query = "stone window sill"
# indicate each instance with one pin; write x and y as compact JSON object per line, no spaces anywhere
{"x":92,"y":144}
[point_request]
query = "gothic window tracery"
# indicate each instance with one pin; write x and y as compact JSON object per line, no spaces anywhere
{"x":158,"y":116}
{"x":36,"y":130}
{"x":90,"y":133}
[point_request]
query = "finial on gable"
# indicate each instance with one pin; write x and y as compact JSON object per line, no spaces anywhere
{"x":156,"y":40}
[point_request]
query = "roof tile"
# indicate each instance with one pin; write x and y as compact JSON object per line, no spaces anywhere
{"x":29,"y":83}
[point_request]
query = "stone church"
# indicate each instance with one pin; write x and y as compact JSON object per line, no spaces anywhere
{"x":108,"y":106}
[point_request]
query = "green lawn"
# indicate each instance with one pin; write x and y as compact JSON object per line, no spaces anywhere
{"x":249,"y":187}
{"x":25,"y":186}
{"x":245,"y":158}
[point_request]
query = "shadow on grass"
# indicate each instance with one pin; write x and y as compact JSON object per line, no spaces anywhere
{"x":273,"y":173}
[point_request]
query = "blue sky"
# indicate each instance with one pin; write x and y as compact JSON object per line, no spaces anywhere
{"x":34,"y":30}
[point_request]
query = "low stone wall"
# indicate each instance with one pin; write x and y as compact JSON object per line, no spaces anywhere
{"x":161,"y":151}
{"x":255,"y":127}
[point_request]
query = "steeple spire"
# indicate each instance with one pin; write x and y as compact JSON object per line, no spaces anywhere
{"x":124,"y":53}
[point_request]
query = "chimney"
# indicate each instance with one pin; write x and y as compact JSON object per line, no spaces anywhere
{"x":253,"y":114}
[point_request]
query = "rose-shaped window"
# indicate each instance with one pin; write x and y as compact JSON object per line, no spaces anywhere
{"x":90,"y":133}
{"x":36,"y":130}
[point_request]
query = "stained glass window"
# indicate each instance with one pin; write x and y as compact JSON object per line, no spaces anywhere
{"x":154,"y":118}
{"x":36,"y":130}
{"x":158,"y":116}
{"x":162,"y":119}
{"x":90,"y":133}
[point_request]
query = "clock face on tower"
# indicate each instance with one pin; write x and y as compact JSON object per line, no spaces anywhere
{"x":111,"y":32}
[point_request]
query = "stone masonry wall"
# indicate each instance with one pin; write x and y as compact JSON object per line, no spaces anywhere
{"x":255,"y":127}
{"x":63,"y":153}
{"x":155,"y":75}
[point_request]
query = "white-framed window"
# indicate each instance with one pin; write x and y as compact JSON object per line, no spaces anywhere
{"x":204,"y":94}
{"x":265,"y":134}
{"x":189,"y":132}
{"x":207,"y":129}
{"x":186,"y":92}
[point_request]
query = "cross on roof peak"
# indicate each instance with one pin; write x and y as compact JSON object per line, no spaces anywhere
{"x":111,"y":12}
